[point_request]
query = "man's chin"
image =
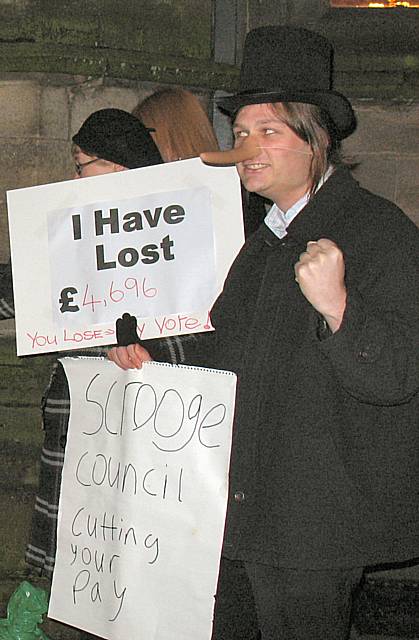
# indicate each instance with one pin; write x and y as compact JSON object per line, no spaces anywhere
{"x":252,"y":187}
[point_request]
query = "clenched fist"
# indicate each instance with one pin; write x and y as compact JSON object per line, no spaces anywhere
{"x":320,"y":273}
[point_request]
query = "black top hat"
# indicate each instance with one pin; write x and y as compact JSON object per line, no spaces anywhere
{"x":118,"y":136}
{"x":290,"y":64}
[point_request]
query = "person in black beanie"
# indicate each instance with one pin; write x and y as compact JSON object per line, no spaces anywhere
{"x":319,"y":318}
{"x":110,"y":140}
{"x":113,"y":140}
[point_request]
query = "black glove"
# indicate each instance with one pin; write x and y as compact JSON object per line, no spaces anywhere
{"x":126,"y":330}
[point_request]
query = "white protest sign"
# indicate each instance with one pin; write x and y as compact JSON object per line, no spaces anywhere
{"x":156,"y":242}
{"x":143,"y":500}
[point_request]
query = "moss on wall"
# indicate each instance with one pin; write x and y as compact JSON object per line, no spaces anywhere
{"x":148,"y":40}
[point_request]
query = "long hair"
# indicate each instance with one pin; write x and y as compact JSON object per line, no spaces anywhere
{"x":182,"y":127}
{"x":313,"y":125}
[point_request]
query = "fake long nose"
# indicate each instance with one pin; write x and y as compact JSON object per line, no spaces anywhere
{"x":247,"y":150}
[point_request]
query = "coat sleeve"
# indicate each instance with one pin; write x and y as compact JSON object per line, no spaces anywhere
{"x":375,"y":353}
{"x":7,"y":309}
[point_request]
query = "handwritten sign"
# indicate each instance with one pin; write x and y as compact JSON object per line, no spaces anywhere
{"x":143,"y":500}
{"x":156,"y":242}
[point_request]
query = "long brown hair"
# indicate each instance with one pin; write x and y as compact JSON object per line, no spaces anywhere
{"x":313,"y":125}
{"x":182,"y":127}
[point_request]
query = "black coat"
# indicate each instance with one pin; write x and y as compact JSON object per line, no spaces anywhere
{"x":325,"y":459}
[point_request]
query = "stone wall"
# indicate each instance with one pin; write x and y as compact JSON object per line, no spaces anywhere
{"x":385,"y":146}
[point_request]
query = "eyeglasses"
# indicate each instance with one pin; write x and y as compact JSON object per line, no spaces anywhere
{"x":80,"y":165}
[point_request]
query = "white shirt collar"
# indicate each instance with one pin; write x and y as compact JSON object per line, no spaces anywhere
{"x":278,"y":220}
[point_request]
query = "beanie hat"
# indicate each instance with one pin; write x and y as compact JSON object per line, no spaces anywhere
{"x":118,"y":136}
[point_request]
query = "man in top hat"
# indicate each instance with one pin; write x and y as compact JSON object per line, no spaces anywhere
{"x":319,"y":318}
